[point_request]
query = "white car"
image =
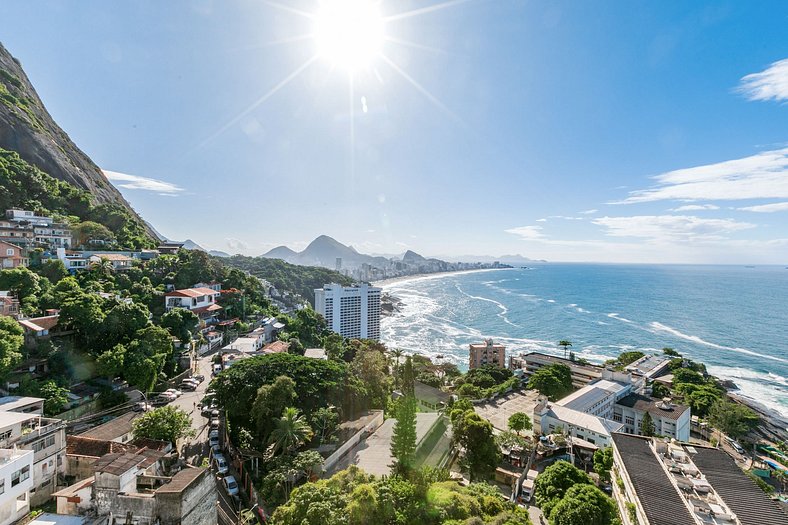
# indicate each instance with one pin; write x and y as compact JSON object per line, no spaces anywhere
{"x":230,"y":485}
{"x":176,"y":393}
{"x":220,"y":464}
{"x":213,"y":438}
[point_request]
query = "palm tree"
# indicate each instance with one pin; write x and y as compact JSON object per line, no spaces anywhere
{"x":566,"y":344}
{"x":291,"y":432}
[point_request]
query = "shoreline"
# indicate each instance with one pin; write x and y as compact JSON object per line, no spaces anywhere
{"x":434,"y":275}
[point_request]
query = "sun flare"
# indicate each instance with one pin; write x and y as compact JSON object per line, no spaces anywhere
{"x":349,"y":33}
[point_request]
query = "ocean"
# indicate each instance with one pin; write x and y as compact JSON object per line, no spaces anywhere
{"x":734,"y":319}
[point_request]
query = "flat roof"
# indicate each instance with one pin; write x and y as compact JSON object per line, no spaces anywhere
{"x":315,"y":353}
{"x":604,"y":427}
{"x":12,"y":418}
{"x":653,"y":406}
{"x":57,"y":519}
{"x":658,"y":497}
{"x":737,"y":490}
{"x":430,"y":393}
{"x":590,"y":394}
{"x":117,"y":463}
{"x":181,"y":481}
{"x":10,"y":403}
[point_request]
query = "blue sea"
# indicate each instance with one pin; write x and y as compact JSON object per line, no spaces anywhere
{"x":732,"y":318}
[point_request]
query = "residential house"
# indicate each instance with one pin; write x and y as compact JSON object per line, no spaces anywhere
{"x":22,"y":404}
{"x":248,"y":343}
{"x":277,"y":347}
{"x":118,"y":429}
{"x":27,"y":217}
{"x":211,"y":285}
{"x":15,"y":484}
{"x":169,"y":247}
{"x":83,"y":452}
{"x":272,"y":327}
{"x":9,"y":305}
{"x":17,"y":234}
{"x":46,"y":437}
{"x":53,"y":236}
{"x":39,"y":329}
{"x":430,"y":399}
{"x":114,"y":492}
{"x":11,"y":256}
{"x":119,"y":261}
{"x":201,"y":301}
{"x":73,"y":261}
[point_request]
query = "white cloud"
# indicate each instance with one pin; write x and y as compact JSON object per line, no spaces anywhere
{"x":696,"y":207}
{"x":588,"y":212}
{"x":236,"y":244}
{"x":527,"y":232}
{"x":541,"y":220}
{"x":566,"y":218}
{"x":663,"y":228}
{"x":135,"y":182}
{"x":760,"y":176}
{"x":769,"y":84}
{"x":767,"y":208}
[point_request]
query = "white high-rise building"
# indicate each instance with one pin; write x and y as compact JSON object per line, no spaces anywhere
{"x":351,"y":311}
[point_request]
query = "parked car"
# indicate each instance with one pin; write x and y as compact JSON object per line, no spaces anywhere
{"x":174,"y":392}
{"x":215,"y":423}
{"x":141,"y":406}
{"x":213,"y":438}
{"x":230,"y":485}
{"x":220,"y":464}
{"x":199,"y":378}
{"x":187,"y":386}
{"x":217,"y":369}
{"x":191,"y":380}
{"x":160,"y":401}
{"x":214,"y":414}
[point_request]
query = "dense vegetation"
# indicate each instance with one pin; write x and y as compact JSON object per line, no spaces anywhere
{"x":301,"y":280}
{"x":566,"y":495}
{"x":25,"y":186}
{"x":553,"y":381}
{"x":352,"y":497}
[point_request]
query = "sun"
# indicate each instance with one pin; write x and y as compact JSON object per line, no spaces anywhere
{"x":349,"y":33}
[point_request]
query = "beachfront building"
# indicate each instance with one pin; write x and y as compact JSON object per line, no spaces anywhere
{"x":668,"y":483}
{"x":351,"y":311}
{"x":611,"y":405}
{"x":487,"y":353}
{"x":582,"y":373}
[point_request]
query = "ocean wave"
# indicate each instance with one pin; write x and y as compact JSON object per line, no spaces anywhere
{"x":695,"y":339}
{"x":503,"y":307}
{"x":766,"y":389}
{"x":617,"y":317}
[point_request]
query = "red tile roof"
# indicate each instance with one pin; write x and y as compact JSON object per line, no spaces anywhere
{"x":191,"y":292}
{"x":276,"y":347}
{"x":95,"y":448}
{"x":209,"y":308}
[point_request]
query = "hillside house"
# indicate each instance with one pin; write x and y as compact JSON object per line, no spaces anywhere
{"x":11,"y":256}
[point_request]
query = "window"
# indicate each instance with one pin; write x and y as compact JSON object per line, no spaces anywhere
{"x":9,"y":251}
{"x":50,"y":441}
{"x":2,"y":486}
{"x":5,"y":435}
{"x":20,"y":475}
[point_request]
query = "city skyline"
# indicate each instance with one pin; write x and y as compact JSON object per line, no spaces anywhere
{"x":599,"y":132}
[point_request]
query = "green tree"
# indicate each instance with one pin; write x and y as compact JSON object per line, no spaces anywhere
{"x":110,"y":363}
{"x":627,"y":358}
{"x":370,"y":366}
{"x":520,"y":421}
{"x":25,"y":285}
{"x":603,"y":462}
{"x":56,"y":397}
{"x":334,"y":345}
{"x":403,"y":440}
{"x":584,"y":505}
{"x":324,"y":422}
{"x":408,"y":377}
{"x":554,"y":381}
{"x":122,"y":322}
{"x":53,"y":270}
{"x":270,"y":403}
{"x":286,"y":471}
{"x":168,"y":423}
{"x":475,"y":436}
{"x":552,"y":484}
{"x":89,"y":233}
{"x":647,"y":425}
{"x":84,"y":313}
{"x":181,"y":323}
{"x":670,"y":352}
{"x":565,"y":344}
{"x":290,"y":432}
{"x":11,"y":341}
{"x":320,"y":503}
{"x":731,"y":418}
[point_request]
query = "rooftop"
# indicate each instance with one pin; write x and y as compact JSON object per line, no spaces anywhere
{"x":182,"y":480}
{"x":117,"y":463}
{"x":112,"y":429}
{"x":191,"y":292}
{"x":96,"y":448}
{"x":38,"y":324}
{"x":276,"y":347}
{"x":658,"y":497}
{"x":430,"y":394}
{"x":591,"y":394}
{"x":656,"y":407}
{"x":316,"y":353}
{"x":601,"y":426}
{"x":13,"y":403}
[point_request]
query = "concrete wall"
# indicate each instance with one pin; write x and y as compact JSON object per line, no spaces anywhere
{"x":331,"y":460}
{"x":194,"y":506}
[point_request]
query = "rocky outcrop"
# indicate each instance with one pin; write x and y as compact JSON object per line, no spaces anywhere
{"x":27,"y":128}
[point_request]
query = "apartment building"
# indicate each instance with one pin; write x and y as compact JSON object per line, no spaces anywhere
{"x":46,"y":438}
{"x":15,"y":484}
{"x":487,"y":353}
{"x":351,"y":311}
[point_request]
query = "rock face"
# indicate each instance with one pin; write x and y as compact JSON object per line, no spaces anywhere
{"x":27,"y":128}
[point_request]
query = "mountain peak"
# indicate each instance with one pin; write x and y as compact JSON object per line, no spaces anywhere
{"x":411,"y":256}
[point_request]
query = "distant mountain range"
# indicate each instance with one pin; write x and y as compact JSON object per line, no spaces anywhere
{"x":324,"y":251}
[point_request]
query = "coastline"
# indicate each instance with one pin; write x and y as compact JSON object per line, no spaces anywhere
{"x":434,"y":275}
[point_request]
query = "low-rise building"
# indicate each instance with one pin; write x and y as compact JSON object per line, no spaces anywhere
{"x":487,"y":353}
{"x":201,"y":301}
{"x":16,"y":482}
{"x":430,"y":399}
{"x":669,"y":419}
{"x":667,"y":483}
{"x":582,"y":373}
{"x":39,"y":329}
{"x":11,"y":256}
{"x":46,"y":437}
{"x":248,"y":343}
{"x":119,"y":261}
{"x":22,"y":404}
{"x":118,"y":429}
{"x":53,"y":236}
{"x":27,"y":217}
{"x":316,"y":353}
{"x":9,"y":305}
{"x":17,"y":234}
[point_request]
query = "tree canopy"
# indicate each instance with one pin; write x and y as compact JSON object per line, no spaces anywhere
{"x":553,"y":381}
{"x":167,"y":423}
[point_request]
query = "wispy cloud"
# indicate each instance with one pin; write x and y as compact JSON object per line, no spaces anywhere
{"x":541,"y":220}
{"x":767,"y":208}
{"x":663,"y":228}
{"x":760,"y":176}
{"x":135,"y":182}
{"x":588,"y":212}
{"x":696,"y":207}
{"x":527,"y":232}
{"x":769,"y":84}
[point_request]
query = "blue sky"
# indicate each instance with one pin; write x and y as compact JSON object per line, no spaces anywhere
{"x":575,"y":131}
